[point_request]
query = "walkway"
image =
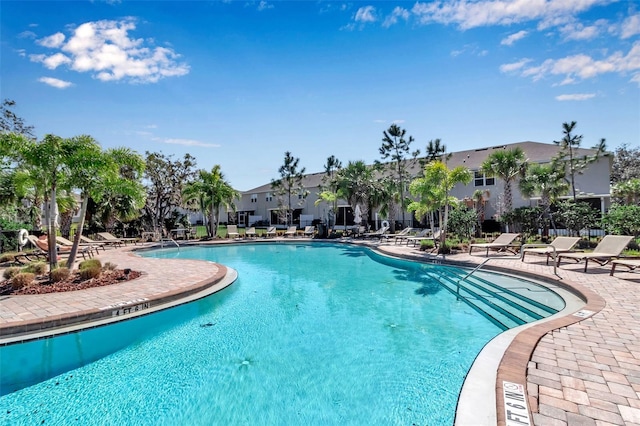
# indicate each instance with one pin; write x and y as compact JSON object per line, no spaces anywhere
{"x":582,"y":373}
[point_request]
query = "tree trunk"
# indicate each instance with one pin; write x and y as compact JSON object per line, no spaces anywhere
{"x":76,"y":238}
{"x":51,"y":231}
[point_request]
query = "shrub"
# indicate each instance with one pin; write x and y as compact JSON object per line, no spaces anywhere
{"x":22,"y":280}
{"x":110,"y":266}
{"x":38,"y":268}
{"x":60,"y":274}
{"x":91,"y":263}
{"x":622,"y":220}
{"x":426,"y":245}
{"x":11,"y":272}
{"x":62,"y":264}
{"x":462,"y":222}
{"x":8,"y":257}
{"x":90,"y":272}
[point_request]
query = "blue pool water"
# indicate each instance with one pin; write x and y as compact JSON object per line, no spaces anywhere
{"x":308,"y":334}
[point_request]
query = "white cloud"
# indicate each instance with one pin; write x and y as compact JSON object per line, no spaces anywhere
{"x":630,"y":26}
{"x":575,"y":97}
{"x":470,"y":14}
{"x":398,"y":13}
{"x":366,"y":14}
{"x":263,"y":5}
{"x":470,"y":49}
{"x":52,"y":62}
{"x":508,"y":41}
{"x":105,"y":49}
{"x":515,"y":66}
{"x":187,"y":142}
{"x":578,"y":31}
{"x":27,"y":34}
{"x":54,"y":82}
{"x":583,"y":67}
{"x":52,"y":41}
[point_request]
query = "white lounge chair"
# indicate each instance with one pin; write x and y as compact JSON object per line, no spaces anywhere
{"x":250,"y":232}
{"x":608,"y":249}
{"x":377,"y":234}
{"x":405,"y":231}
{"x":271,"y":232}
{"x":504,"y":242}
{"x":291,"y":231}
{"x":309,"y":231}
{"x":401,"y":238}
{"x":557,"y":246}
{"x":232,"y":231}
{"x":417,"y":240}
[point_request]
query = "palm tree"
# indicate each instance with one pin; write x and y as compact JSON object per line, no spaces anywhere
{"x":507,"y":165}
{"x":356,"y":184}
{"x":328,"y":192}
{"x":48,"y":160}
{"x":571,"y":142}
{"x":549,"y":182}
{"x":112,"y":179}
{"x":433,"y":190}
{"x":479,"y":199}
{"x":212,"y":191}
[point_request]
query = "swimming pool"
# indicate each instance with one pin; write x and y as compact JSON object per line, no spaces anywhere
{"x":309,"y":333}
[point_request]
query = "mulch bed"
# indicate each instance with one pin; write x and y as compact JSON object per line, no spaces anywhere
{"x":73,"y":283}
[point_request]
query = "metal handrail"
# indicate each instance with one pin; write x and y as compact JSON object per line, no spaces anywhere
{"x":518,"y":256}
{"x":162,"y":240}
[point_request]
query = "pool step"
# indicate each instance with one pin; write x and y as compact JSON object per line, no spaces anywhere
{"x":506,"y":308}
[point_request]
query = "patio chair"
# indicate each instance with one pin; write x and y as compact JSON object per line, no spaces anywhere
{"x":402,"y":238}
{"x":417,"y":240}
{"x":103,"y":244}
{"x":271,"y":232}
{"x":250,"y":232}
{"x":377,"y":234}
{"x":309,"y":231}
{"x":607,"y":249}
{"x":632,"y":263}
{"x":405,"y":231}
{"x":42,"y":250}
{"x":504,"y":242}
{"x":232,"y":231}
{"x":68,"y":243}
{"x":557,"y":246}
{"x":107,"y":236}
{"x":291,"y":231}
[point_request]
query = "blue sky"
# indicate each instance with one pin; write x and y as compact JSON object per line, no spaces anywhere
{"x":238,"y":83}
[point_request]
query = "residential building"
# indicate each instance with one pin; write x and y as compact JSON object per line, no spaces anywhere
{"x":593,"y":185}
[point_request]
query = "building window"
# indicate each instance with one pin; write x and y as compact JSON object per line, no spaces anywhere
{"x":254,"y":198}
{"x":269,"y":197}
{"x":480,"y":179}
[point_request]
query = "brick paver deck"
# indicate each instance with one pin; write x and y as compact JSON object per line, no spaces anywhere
{"x":577,"y":372}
